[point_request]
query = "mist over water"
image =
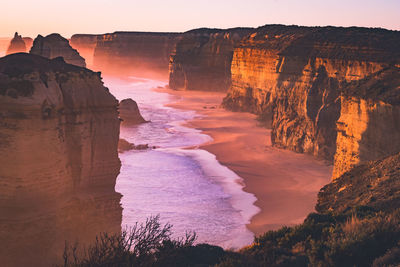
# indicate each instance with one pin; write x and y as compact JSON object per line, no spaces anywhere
{"x":187,"y":187}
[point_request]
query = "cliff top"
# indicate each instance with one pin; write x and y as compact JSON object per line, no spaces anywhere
{"x":370,"y":44}
{"x":22,"y":63}
{"x":375,"y":184}
{"x":215,"y":30}
{"x":15,"y":66}
{"x":381,"y":86}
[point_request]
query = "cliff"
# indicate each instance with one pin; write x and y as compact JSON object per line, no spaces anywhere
{"x":58,"y":159}
{"x":85,"y":44}
{"x":369,"y":124}
{"x":293,"y":77}
{"x":375,"y":184}
{"x":17,"y":45}
{"x":54,"y":45}
{"x":134,"y":53}
{"x":202,"y":59}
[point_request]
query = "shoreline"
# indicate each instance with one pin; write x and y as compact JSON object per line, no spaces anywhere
{"x":284,"y":183}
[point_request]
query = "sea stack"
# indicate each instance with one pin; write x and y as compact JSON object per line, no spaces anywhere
{"x":54,"y":45}
{"x":17,"y":45}
{"x":129,"y":112}
{"x":60,"y":132}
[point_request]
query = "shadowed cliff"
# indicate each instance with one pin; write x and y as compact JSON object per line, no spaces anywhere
{"x":202,"y":59}
{"x":143,"y":54}
{"x":54,"y":45}
{"x":58,"y":159}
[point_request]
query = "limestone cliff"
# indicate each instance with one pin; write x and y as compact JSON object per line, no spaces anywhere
{"x":293,"y":78}
{"x":134,"y":53}
{"x":375,"y":184}
{"x":59,"y":128}
{"x":17,"y":45}
{"x":54,"y":45}
{"x":28,"y":43}
{"x":202,"y":59}
{"x":85,"y":45}
{"x":369,"y":124}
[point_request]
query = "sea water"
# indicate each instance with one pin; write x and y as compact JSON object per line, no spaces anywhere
{"x":183,"y":184}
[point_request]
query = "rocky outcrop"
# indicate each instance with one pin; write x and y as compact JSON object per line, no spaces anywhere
{"x":375,"y":184}
{"x":28,"y":43}
{"x":369,"y":124}
{"x":293,"y":78}
{"x":129,"y":112}
{"x":85,"y":45}
{"x":134,"y":53}
{"x":59,"y":128}
{"x":17,"y":45}
{"x":54,"y":45}
{"x":202,"y":59}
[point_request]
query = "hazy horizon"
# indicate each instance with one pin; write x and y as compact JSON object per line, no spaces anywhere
{"x":95,"y":17}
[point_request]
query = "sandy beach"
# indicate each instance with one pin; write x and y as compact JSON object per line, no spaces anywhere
{"x":285,"y":183}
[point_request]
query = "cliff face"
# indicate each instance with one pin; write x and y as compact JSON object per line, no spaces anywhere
{"x":134,"y":53}
{"x":202,"y":59}
{"x":369,"y":124}
{"x":54,"y":45}
{"x":293,"y":78}
{"x":58,"y":159}
{"x":17,"y":45}
{"x":85,"y":44}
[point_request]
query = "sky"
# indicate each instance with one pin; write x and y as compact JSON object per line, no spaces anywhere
{"x":68,"y":17}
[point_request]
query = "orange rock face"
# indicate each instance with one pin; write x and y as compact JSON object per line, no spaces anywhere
{"x":202,"y":59}
{"x":294,"y":77}
{"x":369,"y":123}
{"x":58,"y":159}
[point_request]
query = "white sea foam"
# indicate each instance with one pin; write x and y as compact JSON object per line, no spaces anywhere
{"x":189,"y":188}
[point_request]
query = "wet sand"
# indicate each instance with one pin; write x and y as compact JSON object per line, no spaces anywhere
{"x":285,"y":183}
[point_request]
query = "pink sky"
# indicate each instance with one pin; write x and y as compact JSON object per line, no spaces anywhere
{"x":30,"y":18}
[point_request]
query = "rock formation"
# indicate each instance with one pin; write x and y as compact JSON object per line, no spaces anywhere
{"x":369,"y":124}
{"x":375,"y":184}
{"x":54,"y":45}
{"x":17,"y":45}
{"x":28,"y":42}
{"x":129,"y":112}
{"x":295,"y":78}
{"x":85,"y":45}
{"x":58,"y":159}
{"x":202,"y":59}
{"x":134,"y":53}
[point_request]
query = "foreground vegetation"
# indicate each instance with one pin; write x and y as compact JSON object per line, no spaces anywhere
{"x":360,"y":237}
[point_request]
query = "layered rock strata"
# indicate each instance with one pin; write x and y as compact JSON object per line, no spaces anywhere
{"x":369,"y":124}
{"x":295,"y":78}
{"x":59,"y":128}
{"x":202,"y":59}
{"x":54,"y":45}
{"x":134,"y":53}
{"x":17,"y":45}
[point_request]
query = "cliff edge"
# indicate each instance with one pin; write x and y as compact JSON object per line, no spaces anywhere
{"x":58,"y":158}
